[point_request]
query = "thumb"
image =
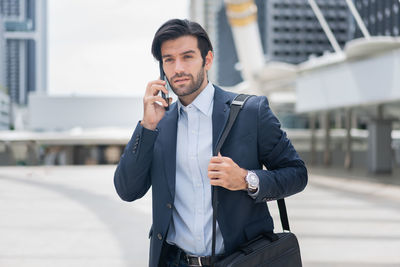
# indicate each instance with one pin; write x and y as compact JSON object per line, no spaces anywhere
{"x":219,"y":154}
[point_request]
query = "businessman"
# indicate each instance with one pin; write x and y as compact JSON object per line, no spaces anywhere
{"x":172,"y":152}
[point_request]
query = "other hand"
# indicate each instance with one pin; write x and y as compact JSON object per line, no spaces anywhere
{"x":224,"y":172}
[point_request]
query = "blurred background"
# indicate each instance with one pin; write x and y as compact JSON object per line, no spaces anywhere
{"x":72,"y":77}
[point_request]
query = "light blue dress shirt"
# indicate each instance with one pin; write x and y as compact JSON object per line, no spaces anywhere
{"x":191,"y":226}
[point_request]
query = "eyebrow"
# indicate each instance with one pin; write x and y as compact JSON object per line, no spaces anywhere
{"x":183,"y":53}
{"x":188,"y":52}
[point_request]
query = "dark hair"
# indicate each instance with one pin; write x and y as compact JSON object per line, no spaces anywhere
{"x":175,"y":28}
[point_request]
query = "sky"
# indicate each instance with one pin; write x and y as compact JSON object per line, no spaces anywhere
{"x":102,"y":47}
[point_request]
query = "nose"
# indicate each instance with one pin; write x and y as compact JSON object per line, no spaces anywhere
{"x":179,"y":68}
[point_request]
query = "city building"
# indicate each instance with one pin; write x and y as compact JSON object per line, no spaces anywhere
{"x":25,"y":52}
{"x":380,"y":17}
{"x":4,"y":98}
{"x":292,"y":33}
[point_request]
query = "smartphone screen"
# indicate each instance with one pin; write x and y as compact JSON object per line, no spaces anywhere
{"x":162,"y":77}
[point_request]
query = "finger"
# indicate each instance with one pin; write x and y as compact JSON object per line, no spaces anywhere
{"x":214,"y":167}
{"x":216,"y":182}
{"x":214,"y":174}
{"x":153,"y":99}
{"x":219,"y":182}
{"x":216,"y":160}
{"x":152,"y":84}
{"x":217,"y":175}
{"x":224,"y":159}
{"x":169,"y":100}
{"x":164,"y":89}
{"x":159,"y":81}
{"x":156,"y":82}
{"x":156,"y":88}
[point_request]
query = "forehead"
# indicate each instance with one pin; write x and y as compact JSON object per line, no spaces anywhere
{"x":179,"y":45}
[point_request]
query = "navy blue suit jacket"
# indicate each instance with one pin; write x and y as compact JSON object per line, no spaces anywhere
{"x":256,"y":139}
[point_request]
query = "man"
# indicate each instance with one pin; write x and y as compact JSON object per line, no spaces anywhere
{"x":172,"y":151}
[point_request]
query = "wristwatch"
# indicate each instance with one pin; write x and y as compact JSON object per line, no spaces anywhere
{"x":252,"y":182}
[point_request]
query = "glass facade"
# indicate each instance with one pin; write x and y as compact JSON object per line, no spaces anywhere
{"x":21,"y":57}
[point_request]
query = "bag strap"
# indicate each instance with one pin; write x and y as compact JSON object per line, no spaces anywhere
{"x":236,"y":105}
{"x":283,"y":214}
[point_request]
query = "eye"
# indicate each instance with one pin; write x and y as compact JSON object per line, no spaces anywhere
{"x":187,"y":56}
{"x":167,"y":60}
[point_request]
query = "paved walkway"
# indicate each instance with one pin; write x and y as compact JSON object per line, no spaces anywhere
{"x":71,"y":216}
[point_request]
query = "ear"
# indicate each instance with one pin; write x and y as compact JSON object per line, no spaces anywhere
{"x":209,"y":60}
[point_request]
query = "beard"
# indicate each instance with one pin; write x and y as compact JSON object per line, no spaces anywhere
{"x":193,"y":86}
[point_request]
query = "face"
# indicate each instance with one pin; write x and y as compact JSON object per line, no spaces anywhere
{"x":183,"y":66}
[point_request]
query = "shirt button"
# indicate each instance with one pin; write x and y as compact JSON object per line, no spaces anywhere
{"x":159,"y":236}
{"x":169,"y":205}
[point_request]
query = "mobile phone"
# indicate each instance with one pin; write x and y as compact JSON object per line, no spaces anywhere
{"x":162,"y":77}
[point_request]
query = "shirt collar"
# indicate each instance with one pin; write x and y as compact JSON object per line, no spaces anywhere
{"x":203,"y":101}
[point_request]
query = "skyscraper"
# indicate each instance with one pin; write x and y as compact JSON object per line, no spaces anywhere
{"x":2,"y":58}
{"x":25,"y":47}
{"x":380,"y":17}
{"x":4,"y":99}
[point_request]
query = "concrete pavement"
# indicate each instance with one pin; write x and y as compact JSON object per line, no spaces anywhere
{"x":71,"y":216}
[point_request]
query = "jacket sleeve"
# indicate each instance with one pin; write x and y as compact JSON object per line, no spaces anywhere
{"x":132,"y":176}
{"x":286,"y":173}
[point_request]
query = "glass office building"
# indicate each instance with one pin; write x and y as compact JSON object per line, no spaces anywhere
{"x":24,"y":23}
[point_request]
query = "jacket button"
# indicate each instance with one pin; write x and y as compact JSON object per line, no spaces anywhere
{"x":159,"y":236}
{"x":169,"y":205}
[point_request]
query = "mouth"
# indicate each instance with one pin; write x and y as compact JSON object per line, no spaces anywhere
{"x":181,"y":80}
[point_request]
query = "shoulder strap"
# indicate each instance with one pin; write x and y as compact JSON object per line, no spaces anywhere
{"x":236,"y":105}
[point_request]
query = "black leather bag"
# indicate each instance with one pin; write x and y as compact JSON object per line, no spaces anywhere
{"x":272,"y":250}
{"x":268,"y":249}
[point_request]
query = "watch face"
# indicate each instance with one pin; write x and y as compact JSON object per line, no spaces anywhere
{"x":252,"y":180}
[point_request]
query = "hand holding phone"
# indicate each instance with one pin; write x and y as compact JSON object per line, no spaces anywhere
{"x":154,"y":105}
{"x":162,"y":77}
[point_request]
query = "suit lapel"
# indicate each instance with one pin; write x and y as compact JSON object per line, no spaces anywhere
{"x":220,"y":114}
{"x":168,"y":133}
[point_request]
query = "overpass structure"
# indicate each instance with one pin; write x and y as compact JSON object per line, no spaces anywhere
{"x":363,"y":79}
